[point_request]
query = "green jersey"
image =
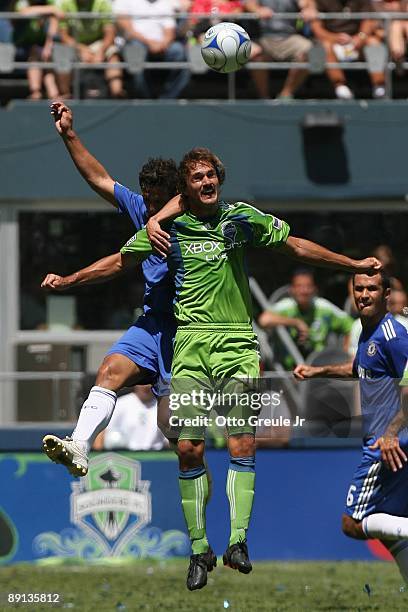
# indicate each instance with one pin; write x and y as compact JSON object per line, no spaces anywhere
{"x":322,"y":318}
{"x":87,"y":31}
{"x":207,"y":261}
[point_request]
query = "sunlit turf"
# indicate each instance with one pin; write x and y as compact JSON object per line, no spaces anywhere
{"x":160,"y":585}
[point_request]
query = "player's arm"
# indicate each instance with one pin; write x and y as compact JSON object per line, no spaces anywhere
{"x":338,"y":370}
{"x":92,"y":171}
{"x":269,"y":231}
{"x":391,"y":452}
{"x":158,"y":237}
{"x":315,"y":254}
{"x":98,"y":272}
{"x":135,"y":250}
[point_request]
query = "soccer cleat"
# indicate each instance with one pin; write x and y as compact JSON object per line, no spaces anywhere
{"x":67,"y":452}
{"x":199,"y":566}
{"x":236,"y":557}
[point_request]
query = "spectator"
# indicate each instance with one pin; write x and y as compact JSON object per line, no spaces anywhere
{"x":93,"y":40}
{"x":310,"y":319}
{"x":34,"y":39}
{"x":134,"y":423}
{"x":345,"y":39}
{"x":399,"y":36}
{"x":398,"y":306}
{"x":214,"y":7}
{"x":153,"y":37}
{"x":384,"y":253}
{"x":398,"y":28}
{"x":279,"y":41}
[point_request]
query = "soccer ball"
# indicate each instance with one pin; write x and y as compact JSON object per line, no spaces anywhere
{"x":226,"y":47}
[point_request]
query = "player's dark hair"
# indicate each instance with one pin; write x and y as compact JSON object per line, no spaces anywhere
{"x":158,"y":172}
{"x":195,"y":156}
{"x":385,"y":279}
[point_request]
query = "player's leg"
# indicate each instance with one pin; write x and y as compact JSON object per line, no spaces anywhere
{"x":164,"y":339}
{"x":240,"y":492}
{"x":116,"y":371}
{"x":190,"y":354}
{"x":131,"y":360}
{"x":237,"y":364}
{"x":399,"y":551}
{"x":377,"y":507}
{"x":193,"y":484}
{"x":376,"y":504}
{"x":391,"y":530}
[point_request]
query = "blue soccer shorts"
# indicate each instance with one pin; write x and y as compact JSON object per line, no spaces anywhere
{"x":149,"y":344}
{"x":375,"y":488}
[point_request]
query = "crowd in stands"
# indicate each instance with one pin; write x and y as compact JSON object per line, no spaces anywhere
{"x":137,"y":31}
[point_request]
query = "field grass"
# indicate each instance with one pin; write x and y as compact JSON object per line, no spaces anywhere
{"x":155,"y":585}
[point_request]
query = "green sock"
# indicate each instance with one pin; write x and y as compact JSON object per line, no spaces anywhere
{"x":194,"y":494}
{"x":240,"y":492}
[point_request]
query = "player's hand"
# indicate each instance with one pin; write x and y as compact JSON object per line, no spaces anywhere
{"x":369,"y":265}
{"x":54,"y":281}
{"x":62,"y":116}
{"x":158,"y":238}
{"x":391,"y":453}
{"x":303,"y":372}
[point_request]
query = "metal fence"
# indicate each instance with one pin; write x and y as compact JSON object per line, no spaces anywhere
{"x":315,"y":65}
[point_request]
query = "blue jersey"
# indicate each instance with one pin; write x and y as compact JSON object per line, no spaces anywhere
{"x":381,"y":365}
{"x":159,"y":286}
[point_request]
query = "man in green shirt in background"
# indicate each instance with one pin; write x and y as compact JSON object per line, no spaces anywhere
{"x":309,"y":318}
{"x":215,"y":349}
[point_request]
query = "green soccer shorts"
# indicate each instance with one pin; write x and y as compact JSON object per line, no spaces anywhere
{"x":214,"y":369}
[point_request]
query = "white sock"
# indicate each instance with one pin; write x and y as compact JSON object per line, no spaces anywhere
{"x":95,"y":415}
{"x":385,"y":527}
{"x":399,"y":551}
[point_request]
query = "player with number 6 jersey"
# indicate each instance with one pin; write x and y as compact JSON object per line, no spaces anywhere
{"x":377,"y":499}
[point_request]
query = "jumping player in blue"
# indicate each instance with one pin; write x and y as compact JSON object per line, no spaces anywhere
{"x":377,"y":500}
{"x":144,"y":353}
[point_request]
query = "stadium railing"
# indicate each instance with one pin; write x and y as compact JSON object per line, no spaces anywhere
{"x":314,"y":67}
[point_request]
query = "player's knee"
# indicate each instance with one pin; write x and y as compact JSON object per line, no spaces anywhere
{"x":242,"y":445}
{"x":109,"y":375}
{"x":190,"y":452}
{"x":351,"y":528}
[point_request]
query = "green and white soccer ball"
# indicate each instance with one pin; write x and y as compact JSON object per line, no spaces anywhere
{"x":226,"y":47}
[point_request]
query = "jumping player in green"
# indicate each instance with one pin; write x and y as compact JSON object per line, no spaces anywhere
{"x":215,"y":344}
{"x":215,"y":348}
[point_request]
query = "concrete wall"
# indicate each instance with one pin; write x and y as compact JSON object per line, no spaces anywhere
{"x":267,"y":153}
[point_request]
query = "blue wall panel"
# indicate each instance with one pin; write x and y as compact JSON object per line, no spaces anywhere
{"x":298,"y":505}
